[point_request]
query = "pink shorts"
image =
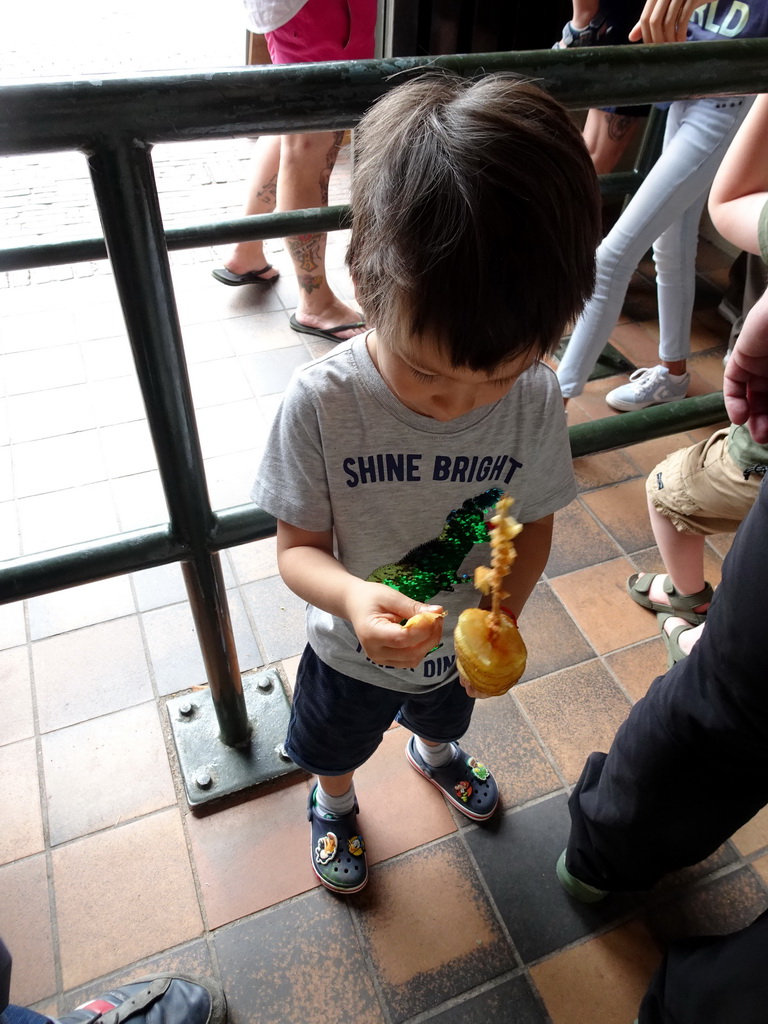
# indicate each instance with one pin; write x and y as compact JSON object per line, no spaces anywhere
{"x":325,"y":30}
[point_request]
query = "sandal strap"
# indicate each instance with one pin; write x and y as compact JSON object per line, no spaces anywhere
{"x":686,"y":602}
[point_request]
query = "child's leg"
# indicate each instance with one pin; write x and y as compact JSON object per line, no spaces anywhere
{"x":682,"y":554}
{"x":444,"y":717}
{"x":335,"y":793}
{"x":336,"y":724}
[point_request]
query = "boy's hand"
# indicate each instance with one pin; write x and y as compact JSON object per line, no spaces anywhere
{"x":376,"y":612}
{"x":471,"y":691}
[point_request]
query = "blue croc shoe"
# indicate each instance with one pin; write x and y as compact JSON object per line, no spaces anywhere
{"x":338,"y":850}
{"x":574,"y":887}
{"x":467,"y":783}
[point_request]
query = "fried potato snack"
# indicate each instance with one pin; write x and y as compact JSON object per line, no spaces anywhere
{"x":490,"y":653}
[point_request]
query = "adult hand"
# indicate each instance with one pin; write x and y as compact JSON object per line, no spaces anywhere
{"x":664,"y":21}
{"x":745,"y":384}
{"x":376,"y":617}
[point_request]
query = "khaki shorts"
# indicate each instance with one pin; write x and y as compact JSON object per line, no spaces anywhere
{"x":701,"y":489}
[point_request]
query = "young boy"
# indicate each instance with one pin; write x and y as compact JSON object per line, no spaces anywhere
{"x":475,"y":218}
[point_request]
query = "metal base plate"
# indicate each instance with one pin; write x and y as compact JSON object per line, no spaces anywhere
{"x":212,"y":770}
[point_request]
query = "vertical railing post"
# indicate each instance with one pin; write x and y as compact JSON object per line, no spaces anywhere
{"x":124,"y":184}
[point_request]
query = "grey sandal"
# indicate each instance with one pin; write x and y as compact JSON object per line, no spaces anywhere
{"x":638,"y":586}
{"x":671,"y":640}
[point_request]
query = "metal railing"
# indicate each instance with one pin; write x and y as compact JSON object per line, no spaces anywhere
{"x":115,"y":122}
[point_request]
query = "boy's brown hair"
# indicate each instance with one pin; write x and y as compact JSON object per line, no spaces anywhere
{"x":475,"y":218}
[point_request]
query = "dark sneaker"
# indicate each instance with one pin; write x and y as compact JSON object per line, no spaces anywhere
{"x":465,"y":781}
{"x":597,"y":33}
{"x":338,"y":850}
{"x":156,"y":999}
{"x":579,"y":890}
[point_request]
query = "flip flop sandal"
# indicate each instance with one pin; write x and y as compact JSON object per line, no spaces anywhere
{"x":338,"y":850}
{"x":467,"y":783}
{"x":329,"y":333}
{"x":671,"y":640}
{"x":251,"y":277}
{"x":638,"y":586}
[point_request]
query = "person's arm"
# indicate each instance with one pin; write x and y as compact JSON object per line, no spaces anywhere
{"x":664,"y":21}
{"x":532,"y":544}
{"x":740,"y":189}
{"x":745,"y":383}
{"x":311,"y":570}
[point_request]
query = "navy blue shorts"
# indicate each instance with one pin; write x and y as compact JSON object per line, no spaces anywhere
{"x":337,"y":722}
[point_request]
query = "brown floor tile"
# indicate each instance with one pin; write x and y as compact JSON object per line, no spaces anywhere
{"x":192,"y":959}
{"x":139,"y":875}
{"x":575,"y":712}
{"x":254,"y":854}
{"x":706,"y":373}
{"x":638,"y":342}
{"x":290,"y":668}
{"x":761,"y":866}
{"x":399,"y":810}
{"x":705,"y":339}
{"x":22,"y":830}
{"x":602,"y":980}
{"x":500,"y":737}
{"x":15,"y":686}
{"x":606,"y":468}
{"x":597,"y":599}
{"x":90,"y":672}
{"x":104,"y":771}
{"x":754,"y":835}
{"x":623,"y":511}
{"x":578,"y":541}
{"x":648,"y":454}
{"x":636,"y":667}
{"x":430,"y":930}
{"x":297,"y":964}
{"x":723,"y":906}
{"x":552,"y":639}
{"x":721,"y":542}
{"x":26,"y":923}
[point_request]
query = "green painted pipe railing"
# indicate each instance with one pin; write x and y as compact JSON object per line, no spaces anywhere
{"x":115,"y":122}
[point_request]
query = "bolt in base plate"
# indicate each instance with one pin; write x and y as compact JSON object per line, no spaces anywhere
{"x":209,"y":768}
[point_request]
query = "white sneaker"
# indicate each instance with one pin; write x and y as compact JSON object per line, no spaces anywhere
{"x":648,"y":386}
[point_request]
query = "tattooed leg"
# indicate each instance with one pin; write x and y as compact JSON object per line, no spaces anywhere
{"x":261,"y":198}
{"x":607,"y":136}
{"x":306,"y":163}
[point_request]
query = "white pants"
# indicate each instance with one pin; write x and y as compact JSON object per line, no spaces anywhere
{"x":664,"y":212}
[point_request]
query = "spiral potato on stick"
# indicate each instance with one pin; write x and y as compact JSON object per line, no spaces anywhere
{"x":490,"y":653}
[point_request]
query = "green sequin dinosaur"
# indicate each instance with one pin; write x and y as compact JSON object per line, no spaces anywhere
{"x":433,"y":566}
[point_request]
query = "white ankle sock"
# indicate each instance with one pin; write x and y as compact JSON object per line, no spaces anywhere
{"x":437,"y":756}
{"x":336,"y":805}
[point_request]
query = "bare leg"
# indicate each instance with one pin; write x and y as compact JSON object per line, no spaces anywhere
{"x":306,"y":162}
{"x":683,"y":556}
{"x":688,"y":637}
{"x":583,"y":12}
{"x":262,"y":190}
{"x":678,"y":366}
{"x":335,"y":785}
{"x":607,"y":137}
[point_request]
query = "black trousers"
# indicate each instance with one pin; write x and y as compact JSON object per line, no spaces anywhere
{"x":688,"y":768}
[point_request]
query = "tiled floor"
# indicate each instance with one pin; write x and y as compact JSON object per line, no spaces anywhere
{"x":104,"y":872}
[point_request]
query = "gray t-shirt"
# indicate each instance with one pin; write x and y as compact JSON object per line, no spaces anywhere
{"x":345,"y":454}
